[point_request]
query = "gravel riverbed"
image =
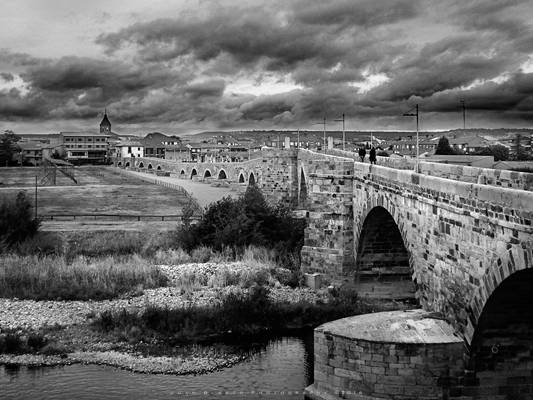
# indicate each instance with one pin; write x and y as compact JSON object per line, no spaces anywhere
{"x":29,"y":315}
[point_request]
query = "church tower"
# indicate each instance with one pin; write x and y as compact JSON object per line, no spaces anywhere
{"x":105,"y":125}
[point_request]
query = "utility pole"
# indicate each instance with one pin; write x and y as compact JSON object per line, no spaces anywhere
{"x":324,"y":130}
{"x":36,"y":197}
{"x":464,"y":113}
{"x":415,"y":114}
{"x":343,"y":133}
{"x":324,"y":133}
{"x":298,"y":136}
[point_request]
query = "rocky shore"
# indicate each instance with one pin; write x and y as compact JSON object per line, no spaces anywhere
{"x":68,"y":323}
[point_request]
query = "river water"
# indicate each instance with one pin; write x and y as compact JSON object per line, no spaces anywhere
{"x":280,"y":369}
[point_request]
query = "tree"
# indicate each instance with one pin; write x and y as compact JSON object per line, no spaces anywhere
{"x":444,"y":148}
{"x":16,"y":221}
{"x":498,"y":151}
{"x":8,"y":147}
{"x":59,"y":153}
{"x":520,"y":153}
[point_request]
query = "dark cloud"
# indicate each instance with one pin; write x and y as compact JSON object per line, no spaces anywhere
{"x":213,"y":87}
{"x":178,"y":70}
{"x":366,"y":13}
{"x":6,"y":76}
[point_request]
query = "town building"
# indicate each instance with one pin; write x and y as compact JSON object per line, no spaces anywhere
{"x":129,"y":148}
{"x":32,"y":153}
{"x":85,"y":147}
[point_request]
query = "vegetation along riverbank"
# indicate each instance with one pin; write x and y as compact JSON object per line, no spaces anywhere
{"x":172,"y":302}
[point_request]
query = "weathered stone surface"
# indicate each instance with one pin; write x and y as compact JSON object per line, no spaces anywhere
{"x":428,"y":356}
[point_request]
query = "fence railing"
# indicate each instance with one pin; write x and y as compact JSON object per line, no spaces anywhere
{"x":113,"y":217}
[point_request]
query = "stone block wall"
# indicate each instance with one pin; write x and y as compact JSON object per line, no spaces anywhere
{"x":351,"y":367}
{"x":459,"y":236}
{"x":483,"y":176}
{"x":274,"y":172}
{"x":328,"y":244}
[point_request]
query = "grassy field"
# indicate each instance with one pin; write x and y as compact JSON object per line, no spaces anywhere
{"x":101,"y":190}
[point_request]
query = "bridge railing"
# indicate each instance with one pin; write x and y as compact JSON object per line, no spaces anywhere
{"x":463,"y":173}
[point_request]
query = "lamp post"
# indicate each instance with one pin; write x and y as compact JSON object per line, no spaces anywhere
{"x":343,"y":132}
{"x":464,"y":113}
{"x":415,"y":114}
{"x":324,"y":131}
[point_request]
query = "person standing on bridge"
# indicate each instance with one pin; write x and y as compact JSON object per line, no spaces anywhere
{"x":373,"y":157}
{"x":362,"y":153}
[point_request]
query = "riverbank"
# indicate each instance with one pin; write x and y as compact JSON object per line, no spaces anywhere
{"x":66,"y":335}
{"x":119,"y":333}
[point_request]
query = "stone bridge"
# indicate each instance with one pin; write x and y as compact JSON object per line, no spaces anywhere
{"x":459,"y":239}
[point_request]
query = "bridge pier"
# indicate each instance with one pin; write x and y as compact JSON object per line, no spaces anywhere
{"x":389,"y":355}
{"x":328,"y":245}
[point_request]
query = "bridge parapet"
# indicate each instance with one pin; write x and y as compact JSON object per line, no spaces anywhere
{"x":484,"y":176}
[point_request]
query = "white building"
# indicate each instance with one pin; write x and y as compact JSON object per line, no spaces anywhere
{"x":129,"y":149}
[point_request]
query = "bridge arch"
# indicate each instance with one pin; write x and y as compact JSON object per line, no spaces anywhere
{"x":150,"y":166}
{"x":127,"y":164}
{"x":302,"y":187}
{"x":509,"y":262}
{"x":194,"y":173}
{"x":207,"y":173}
{"x":159,"y":168}
{"x":241,"y":178}
{"x":251,"y":179}
{"x":141,"y":165}
{"x":222,"y":174}
{"x":502,"y":344}
{"x":119,"y":164}
{"x":182,"y":173}
{"x":382,"y":262}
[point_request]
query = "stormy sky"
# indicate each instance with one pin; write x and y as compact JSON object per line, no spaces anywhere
{"x":187,"y":66}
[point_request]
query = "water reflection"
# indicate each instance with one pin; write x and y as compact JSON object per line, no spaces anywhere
{"x":278,"y":369}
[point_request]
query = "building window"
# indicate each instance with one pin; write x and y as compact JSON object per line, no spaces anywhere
{"x":129,"y":149}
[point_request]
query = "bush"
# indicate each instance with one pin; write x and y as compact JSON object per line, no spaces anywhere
{"x":249,"y":220}
{"x":238,"y":314}
{"x":16,"y":222}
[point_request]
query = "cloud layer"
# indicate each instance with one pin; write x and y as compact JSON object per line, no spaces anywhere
{"x":286,"y":64}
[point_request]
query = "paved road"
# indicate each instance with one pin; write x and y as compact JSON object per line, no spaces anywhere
{"x":203,"y":192}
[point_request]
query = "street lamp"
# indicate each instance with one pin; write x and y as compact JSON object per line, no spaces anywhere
{"x":415,"y":114}
{"x":324,"y":130}
{"x":343,"y":132}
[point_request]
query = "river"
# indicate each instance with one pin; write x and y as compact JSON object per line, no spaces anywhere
{"x":279,"y":369}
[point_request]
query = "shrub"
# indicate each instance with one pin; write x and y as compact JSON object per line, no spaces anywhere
{"x":238,"y":314}
{"x":249,"y":220}
{"x":16,"y":222}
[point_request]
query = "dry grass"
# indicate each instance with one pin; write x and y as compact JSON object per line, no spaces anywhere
{"x":52,"y":277}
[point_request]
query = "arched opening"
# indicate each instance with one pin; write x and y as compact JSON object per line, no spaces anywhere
{"x":159,"y":167}
{"x":222,"y":174}
{"x":241,"y":178}
{"x":207,"y":174}
{"x":382,"y":261}
{"x":141,"y":165}
{"x":251,"y":179}
{"x":119,"y":164}
{"x":194,"y":173}
{"x":302,"y":195}
{"x":150,"y":166}
{"x":127,"y":164}
{"x":501,"y":353}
